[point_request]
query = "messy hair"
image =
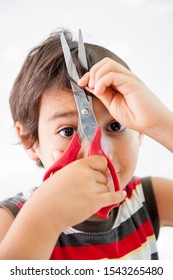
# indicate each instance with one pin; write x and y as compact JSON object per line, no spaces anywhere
{"x":44,"y":68}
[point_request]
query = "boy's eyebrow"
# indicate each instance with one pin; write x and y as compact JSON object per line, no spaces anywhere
{"x":68,"y":114}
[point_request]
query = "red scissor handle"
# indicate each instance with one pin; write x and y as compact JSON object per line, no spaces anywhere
{"x":70,"y":155}
{"x":96,"y":149}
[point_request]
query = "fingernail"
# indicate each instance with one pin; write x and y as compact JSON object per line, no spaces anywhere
{"x":109,"y":177}
{"x":84,"y":77}
{"x":124,"y":192}
{"x":80,"y":81}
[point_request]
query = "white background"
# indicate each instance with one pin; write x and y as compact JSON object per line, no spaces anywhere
{"x":139,"y":31}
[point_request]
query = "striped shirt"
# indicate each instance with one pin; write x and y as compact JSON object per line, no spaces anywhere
{"x":130,"y":231}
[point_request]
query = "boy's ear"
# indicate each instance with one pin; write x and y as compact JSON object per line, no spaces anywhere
{"x":27,"y":142}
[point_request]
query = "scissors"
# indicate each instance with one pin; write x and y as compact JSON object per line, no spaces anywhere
{"x":87,"y":124}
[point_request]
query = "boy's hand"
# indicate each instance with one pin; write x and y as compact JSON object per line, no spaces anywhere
{"x":126,"y":97}
{"x":78,"y":191}
{"x":68,"y":197}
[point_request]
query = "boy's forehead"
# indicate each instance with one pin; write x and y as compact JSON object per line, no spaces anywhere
{"x":56,"y":103}
{"x":54,"y":100}
{"x":63,"y":97}
{"x":53,"y":95}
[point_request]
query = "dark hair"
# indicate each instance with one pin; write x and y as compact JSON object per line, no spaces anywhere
{"x":43,"y":68}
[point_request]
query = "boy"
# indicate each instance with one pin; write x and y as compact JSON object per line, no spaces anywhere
{"x":57,"y":220}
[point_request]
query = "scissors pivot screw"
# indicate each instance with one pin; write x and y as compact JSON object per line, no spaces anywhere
{"x":85,"y":111}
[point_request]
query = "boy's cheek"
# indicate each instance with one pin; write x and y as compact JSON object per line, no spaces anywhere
{"x":127,"y":158}
{"x":48,"y":161}
{"x":56,"y":154}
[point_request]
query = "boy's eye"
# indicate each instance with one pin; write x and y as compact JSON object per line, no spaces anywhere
{"x":116,"y":127}
{"x":67,"y":132}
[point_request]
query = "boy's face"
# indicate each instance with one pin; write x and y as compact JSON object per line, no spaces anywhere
{"x":58,"y":120}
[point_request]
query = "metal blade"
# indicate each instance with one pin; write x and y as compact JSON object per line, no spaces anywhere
{"x":87,"y":121}
{"x":81,"y":51}
{"x":68,"y":59}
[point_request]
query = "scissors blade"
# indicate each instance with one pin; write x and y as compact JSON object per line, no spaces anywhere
{"x":87,"y":121}
{"x":83,"y":58}
{"x":68,"y":59}
{"x":82,"y":52}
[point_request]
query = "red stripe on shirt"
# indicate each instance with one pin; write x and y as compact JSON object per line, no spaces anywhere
{"x":20,"y":205}
{"x":110,"y":251}
{"x":132,"y":186}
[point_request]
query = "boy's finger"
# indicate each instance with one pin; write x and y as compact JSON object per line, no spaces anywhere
{"x":97,"y":162}
{"x":110,"y":198}
{"x":84,"y":80}
{"x":104,"y":66}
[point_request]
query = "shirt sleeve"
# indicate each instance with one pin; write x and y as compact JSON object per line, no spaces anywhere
{"x":15,"y":203}
{"x":151,"y":204}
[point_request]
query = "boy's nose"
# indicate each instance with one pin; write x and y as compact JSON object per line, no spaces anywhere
{"x":84,"y":150}
{"x":105,"y":145}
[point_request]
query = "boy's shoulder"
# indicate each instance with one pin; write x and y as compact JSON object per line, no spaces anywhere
{"x":15,"y":203}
